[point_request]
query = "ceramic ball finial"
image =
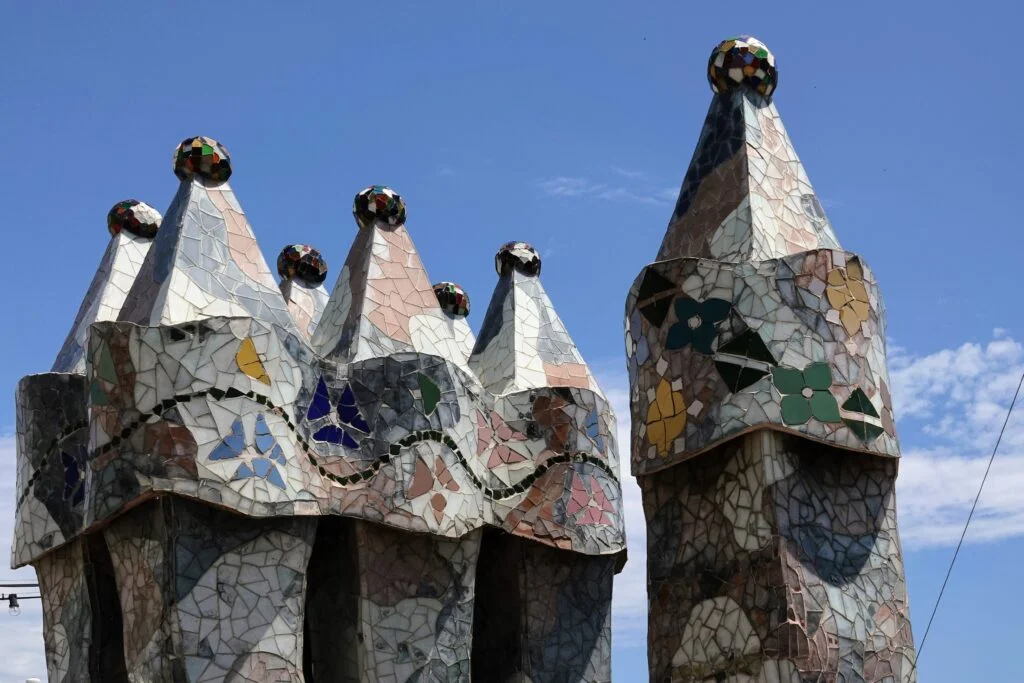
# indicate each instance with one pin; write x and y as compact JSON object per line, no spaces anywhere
{"x":743,"y":61}
{"x":518,"y":256}
{"x":203,"y":157}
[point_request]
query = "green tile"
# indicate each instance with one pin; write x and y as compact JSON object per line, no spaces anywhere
{"x":818,"y":376}
{"x":796,"y":410}
{"x":824,"y":407}
{"x":866,"y":432}
{"x":787,"y":380}
{"x":430,"y":393}
{"x":860,"y":403}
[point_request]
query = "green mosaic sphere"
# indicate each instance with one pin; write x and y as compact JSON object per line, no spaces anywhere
{"x":203,"y":157}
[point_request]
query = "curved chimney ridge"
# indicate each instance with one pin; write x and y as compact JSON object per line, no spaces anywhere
{"x":229,"y":464}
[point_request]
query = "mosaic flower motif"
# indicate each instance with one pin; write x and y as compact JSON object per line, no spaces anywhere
{"x":806,"y":394}
{"x":666,"y":417}
{"x":423,"y":483}
{"x":589,"y":505}
{"x":350,"y":426}
{"x":847,"y":294}
{"x":500,"y":451}
{"x":263,"y":466}
{"x":697,"y":324}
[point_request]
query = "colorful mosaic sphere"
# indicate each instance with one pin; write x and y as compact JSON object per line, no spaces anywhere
{"x":204,"y":157}
{"x":302,"y":262}
{"x":517,"y":256}
{"x":743,"y":61}
{"x":378,"y":204}
{"x":134,"y":216}
{"x":453,"y":298}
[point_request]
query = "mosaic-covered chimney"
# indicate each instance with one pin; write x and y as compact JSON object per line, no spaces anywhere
{"x":763,"y":437}
{"x":225,"y":477}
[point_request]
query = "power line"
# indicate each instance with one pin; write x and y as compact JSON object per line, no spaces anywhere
{"x":970,"y":515}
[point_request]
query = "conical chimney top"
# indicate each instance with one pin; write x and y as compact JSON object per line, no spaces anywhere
{"x":745,"y":196}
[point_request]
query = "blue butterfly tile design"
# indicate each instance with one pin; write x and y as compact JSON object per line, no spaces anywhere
{"x":263,"y":466}
{"x":351,"y":423}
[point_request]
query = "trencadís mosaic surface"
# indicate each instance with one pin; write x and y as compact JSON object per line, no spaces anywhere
{"x":763,"y":435}
{"x":229,"y":478}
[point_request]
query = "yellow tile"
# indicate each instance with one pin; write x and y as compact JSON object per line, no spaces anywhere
{"x":249,"y":362}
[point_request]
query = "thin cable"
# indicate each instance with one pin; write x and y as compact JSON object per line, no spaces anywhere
{"x":967,"y":524}
{"x":19,"y":585}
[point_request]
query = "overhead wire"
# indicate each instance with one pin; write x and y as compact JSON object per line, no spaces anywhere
{"x":967,"y":524}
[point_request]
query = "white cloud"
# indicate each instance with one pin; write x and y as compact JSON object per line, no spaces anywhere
{"x":956,"y":400}
{"x":22,"y":636}
{"x":570,"y":186}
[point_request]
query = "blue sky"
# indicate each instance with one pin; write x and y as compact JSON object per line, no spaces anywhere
{"x":568,"y":125}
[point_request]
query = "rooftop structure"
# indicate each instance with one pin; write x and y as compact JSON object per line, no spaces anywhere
{"x":224,"y":477}
{"x":763,"y":437}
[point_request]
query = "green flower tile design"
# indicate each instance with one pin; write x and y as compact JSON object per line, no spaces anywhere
{"x":806,"y":394}
{"x":697,"y":324}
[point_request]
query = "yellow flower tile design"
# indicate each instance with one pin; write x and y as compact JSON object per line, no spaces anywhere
{"x":847,"y":294}
{"x":666,"y":417}
{"x":249,"y":362}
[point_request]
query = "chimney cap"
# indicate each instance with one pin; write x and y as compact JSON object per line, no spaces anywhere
{"x":743,"y":61}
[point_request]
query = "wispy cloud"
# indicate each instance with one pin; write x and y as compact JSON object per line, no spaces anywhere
{"x":575,"y":186}
{"x":566,"y":186}
{"x":627,"y":173}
